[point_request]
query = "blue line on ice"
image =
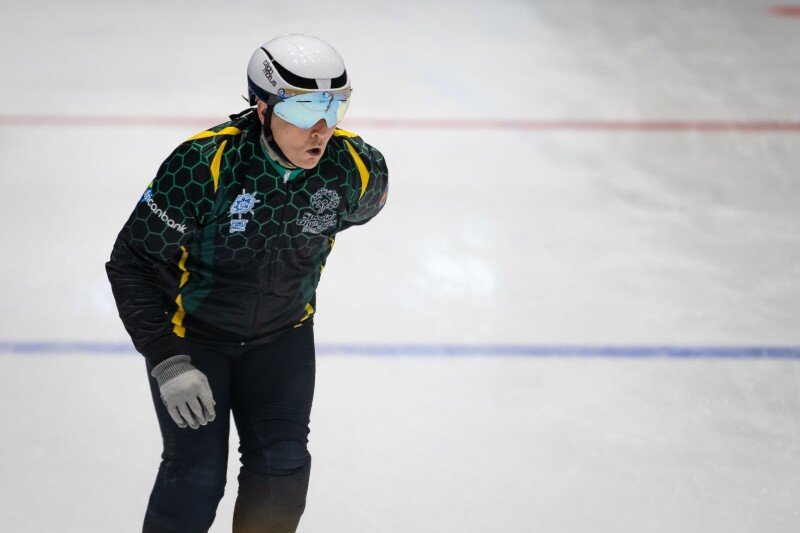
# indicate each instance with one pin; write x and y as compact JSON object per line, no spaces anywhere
{"x":517,"y":350}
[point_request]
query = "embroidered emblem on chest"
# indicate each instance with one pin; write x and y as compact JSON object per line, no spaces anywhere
{"x":242,"y":205}
{"x":322,"y":200}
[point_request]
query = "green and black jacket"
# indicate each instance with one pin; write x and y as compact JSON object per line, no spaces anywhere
{"x":227,"y":246}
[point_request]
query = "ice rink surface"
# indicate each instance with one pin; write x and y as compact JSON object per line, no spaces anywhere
{"x":641,"y":190}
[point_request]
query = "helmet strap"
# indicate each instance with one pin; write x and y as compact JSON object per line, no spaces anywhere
{"x":273,"y":150}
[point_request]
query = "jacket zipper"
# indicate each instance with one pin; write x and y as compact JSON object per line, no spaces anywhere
{"x":280,"y":226}
{"x":267,"y":283}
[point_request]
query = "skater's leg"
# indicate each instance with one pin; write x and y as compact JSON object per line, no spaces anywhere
{"x":273,"y":388}
{"x":191,"y":477}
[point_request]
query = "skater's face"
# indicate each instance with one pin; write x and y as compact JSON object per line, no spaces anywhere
{"x":303,"y":148}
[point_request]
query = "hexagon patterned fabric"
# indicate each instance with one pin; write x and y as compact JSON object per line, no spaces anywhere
{"x":227,"y":245}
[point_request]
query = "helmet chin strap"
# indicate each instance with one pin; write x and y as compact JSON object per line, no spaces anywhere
{"x":273,"y":149}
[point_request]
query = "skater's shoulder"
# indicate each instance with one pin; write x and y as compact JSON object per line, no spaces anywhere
{"x":210,"y":139}
{"x":341,"y":138}
{"x":206,"y":153}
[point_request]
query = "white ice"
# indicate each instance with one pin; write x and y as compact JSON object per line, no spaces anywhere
{"x":490,"y":236}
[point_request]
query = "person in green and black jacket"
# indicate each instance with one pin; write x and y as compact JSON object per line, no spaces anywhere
{"x":215,"y":274}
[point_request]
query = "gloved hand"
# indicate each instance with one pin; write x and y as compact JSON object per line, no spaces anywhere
{"x":181,"y":384}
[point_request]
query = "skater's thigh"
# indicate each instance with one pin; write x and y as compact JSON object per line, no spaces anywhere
{"x":273,"y":389}
{"x":213,"y":437}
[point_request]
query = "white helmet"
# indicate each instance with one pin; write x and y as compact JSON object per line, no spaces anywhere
{"x":294,"y":62}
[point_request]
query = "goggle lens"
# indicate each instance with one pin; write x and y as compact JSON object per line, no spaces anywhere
{"x":305,"y":110}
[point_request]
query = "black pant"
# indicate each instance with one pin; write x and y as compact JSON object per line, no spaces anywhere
{"x":269,"y":388}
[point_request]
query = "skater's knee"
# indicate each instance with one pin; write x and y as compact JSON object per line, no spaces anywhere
{"x":169,"y":508}
{"x":210,"y":477}
{"x":283,"y":457}
{"x":206,"y":476}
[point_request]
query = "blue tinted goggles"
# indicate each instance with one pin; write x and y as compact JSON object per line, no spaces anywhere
{"x":306,"y":109}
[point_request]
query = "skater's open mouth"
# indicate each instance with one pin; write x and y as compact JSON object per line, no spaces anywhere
{"x":314,"y":151}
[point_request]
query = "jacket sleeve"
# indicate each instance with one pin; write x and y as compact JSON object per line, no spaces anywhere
{"x":369,"y":183}
{"x":148,"y":251}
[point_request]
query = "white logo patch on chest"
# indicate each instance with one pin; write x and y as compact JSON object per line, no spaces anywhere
{"x":242,"y":205}
{"x":322,"y":200}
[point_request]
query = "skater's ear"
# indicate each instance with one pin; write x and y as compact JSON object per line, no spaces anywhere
{"x":261,"y":109}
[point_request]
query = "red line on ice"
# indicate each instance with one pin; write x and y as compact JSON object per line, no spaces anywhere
{"x":10,"y":120}
{"x":786,"y":11}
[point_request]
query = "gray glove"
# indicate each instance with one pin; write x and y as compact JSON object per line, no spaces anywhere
{"x":181,"y":384}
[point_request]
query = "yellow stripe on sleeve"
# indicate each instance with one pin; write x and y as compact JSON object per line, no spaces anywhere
{"x":338,"y":132}
{"x":230,"y":130}
{"x":182,"y":266}
{"x":215,"y":164}
{"x":177,"y":318}
{"x":362,"y":168}
{"x":309,"y":312}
